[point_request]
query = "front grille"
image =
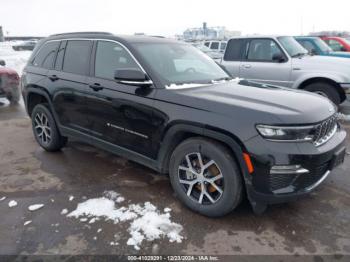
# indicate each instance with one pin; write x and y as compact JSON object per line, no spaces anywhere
{"x":288,"y":183}
{"x":325,"y":130}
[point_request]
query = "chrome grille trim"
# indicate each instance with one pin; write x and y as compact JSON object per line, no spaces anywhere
{"x":325,"y":130}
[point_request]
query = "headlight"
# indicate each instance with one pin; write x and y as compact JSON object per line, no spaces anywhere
{"x":287,"y":133}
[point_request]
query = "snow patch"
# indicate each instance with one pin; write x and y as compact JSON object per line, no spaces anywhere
{"x":147,"y":223}
{"x":14,"y":59}
{"x":71,"y":198}
{"x":27,"y":222}
{"x":183,"y":86}
{"x":12,"y":203}
{"x":64,"y":211}
{"x":35,"y":207}
{"x":3,"y":198}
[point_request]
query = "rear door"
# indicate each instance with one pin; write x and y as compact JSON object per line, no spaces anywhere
{"x":69,"y":84}
{"x":120,"y":114}
{"x":258,"y":64}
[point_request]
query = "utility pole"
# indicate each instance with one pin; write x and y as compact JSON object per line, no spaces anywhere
{"x":2,"y":39}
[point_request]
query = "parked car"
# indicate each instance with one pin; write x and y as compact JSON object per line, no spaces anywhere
{"x":9,"y":83}
{"x":337,"y":43}
{"x":164,"y":104}
{"x":211,"y":53}
{"x":216,"y":45}
{"x":282,"y":61}
{"x":26,"y":45}
{"x":316,"y":46}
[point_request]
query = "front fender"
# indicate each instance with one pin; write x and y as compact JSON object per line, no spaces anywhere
{"x":336,"y":77}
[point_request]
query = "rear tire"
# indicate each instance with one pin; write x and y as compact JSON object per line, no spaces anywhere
{"x":326,"y":90}
{"x":45,"y":129}
{"x":213,"y":188}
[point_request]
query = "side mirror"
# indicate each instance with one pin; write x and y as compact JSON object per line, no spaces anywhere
{"x":2,"y":62}
{"x":131,"y":76}
{"x":278,"y":57}
{"x":343,"y":49}
{"x":313,"y":52}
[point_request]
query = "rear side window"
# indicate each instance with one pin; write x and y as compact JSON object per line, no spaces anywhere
{"x":46,"y":55}
{"x":214,"y":45}
{"x":77,"y":57}
{"x":111,"y":56}
{"x":234,"y":50}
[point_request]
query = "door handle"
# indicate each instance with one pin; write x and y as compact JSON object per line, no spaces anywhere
{"x":96,"y":87}
{"x":246,"y":66}
{"x":53,"y":77}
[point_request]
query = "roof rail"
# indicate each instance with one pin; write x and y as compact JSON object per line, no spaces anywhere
{"x":82,"y":33}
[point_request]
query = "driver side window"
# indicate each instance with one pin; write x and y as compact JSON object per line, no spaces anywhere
{"x":263,"y":50}
{"x":111,"y":56}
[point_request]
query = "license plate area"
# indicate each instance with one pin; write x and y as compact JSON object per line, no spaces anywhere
{"x":338,"y":158}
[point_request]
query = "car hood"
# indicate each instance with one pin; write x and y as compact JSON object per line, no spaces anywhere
{"x":255,"y":102}
{"x":323,"y":63}
{"x":339,"y":54}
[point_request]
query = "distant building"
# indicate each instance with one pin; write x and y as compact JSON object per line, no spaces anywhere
{"x":331,"y":33}
{"x":209,"y":33}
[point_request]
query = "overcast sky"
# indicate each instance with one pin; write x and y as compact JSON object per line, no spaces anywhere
{"x":169,"y":17}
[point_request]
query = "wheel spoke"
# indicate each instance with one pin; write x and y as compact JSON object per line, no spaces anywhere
{"x":189,"y":190}
{"x":185,"y":168}
{"x":214,"y":178}
{"x":189,"y":163}
{"x":211,"y":162}
{"x":200,"y":200}
{"x":216,"y":187}
{"x":209,"y":197}
{"x":199,"y":156}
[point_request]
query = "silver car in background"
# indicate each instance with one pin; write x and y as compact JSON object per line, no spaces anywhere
{"x":282,"y":61}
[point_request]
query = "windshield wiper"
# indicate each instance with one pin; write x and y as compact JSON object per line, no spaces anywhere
{"x":299,"y":54}
{"x":227,"y":78}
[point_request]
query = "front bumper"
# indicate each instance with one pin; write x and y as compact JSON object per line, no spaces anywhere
{"x":266,"y":187}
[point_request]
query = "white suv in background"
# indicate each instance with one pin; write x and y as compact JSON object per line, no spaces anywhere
{"x":216,"y":45}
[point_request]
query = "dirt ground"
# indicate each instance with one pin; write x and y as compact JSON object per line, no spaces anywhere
{"x":316,"y":225}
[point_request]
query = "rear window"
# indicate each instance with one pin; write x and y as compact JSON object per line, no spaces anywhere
{"x":46,"y":55}
{"x":77,"y":57}
{"x":234,"y":50}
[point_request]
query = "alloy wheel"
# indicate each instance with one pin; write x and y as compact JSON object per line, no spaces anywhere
{"x":42,"y":128}
{"x":201,"y":178}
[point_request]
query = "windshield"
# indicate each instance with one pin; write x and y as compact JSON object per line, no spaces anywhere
{"x":292,"y":47}
{"x":323,"y":46}
{"x":177,"y":63}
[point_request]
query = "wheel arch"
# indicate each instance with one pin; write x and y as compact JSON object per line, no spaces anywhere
{"x":36,"y":96}
{"x":180,"y":132}
{"x":327,"y":80}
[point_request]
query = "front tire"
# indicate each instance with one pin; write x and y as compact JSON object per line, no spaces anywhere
{"x":205,"y":177}
{"x":326,"y":90}
{"x":45,"y":129}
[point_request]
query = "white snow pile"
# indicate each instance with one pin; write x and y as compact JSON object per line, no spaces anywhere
{"x":12,"y":203}
{"x":3,"y":198}
{"x":192,"y":85}
{"x":35,"y":207}
{"x":14,"y":59}
{"x":146,"y":221}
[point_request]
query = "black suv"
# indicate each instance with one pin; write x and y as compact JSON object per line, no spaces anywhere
{"x":168,"y":106}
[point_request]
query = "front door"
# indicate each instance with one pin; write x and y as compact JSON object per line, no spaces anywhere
{"x":260,"y":65}
{"x":120,"y":114}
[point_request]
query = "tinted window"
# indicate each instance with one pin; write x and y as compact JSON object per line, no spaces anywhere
{"x":307,"y":45}
{"x":262,"y":50}
{"x":234,"y":50}
{"x":335,"y":45}
{"x":207,"y":44}
{"x":77,"y":57}
{"x":223,"y":46}
{"x":214,"y":45}
{"x":46,"y":55}
{"x":60,"y":54}
{"x":111,"y":56}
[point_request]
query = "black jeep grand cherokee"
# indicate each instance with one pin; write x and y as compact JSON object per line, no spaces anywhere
{"x":166,"y":105}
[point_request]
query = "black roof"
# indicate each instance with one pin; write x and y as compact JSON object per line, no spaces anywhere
{"x":106,"y":35}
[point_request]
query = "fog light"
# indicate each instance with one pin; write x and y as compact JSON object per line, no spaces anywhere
{"x":288,"y":169}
